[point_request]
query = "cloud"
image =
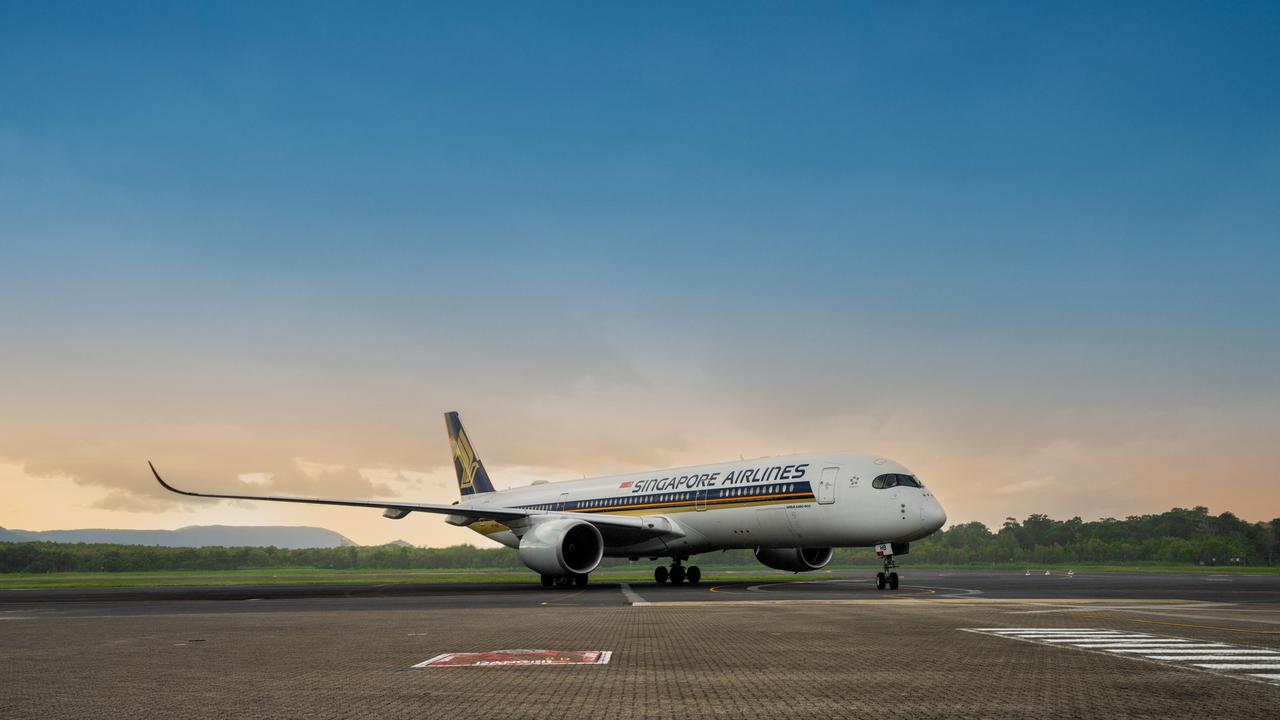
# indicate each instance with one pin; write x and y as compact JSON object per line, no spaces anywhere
{"x":1024,"y":486}
{"x":325,"y":480}
{"x":120,"y":500}
{"x":362,"y":435}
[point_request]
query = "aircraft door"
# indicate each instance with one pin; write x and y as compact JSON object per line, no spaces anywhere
{"x":826,"y":490}
{"x":700,"y":500}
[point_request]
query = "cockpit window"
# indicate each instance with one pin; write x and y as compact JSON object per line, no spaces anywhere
{"x":889,"y":480}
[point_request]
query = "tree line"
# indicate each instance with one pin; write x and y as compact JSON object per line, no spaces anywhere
{"x":1179,"y":536}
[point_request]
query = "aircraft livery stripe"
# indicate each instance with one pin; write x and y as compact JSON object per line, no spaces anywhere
{"x":489,"y":527}
{"x":721,"y":497}
{"x":694,"y":503}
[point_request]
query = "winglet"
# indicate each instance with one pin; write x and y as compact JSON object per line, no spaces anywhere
{"x":166,"y":485}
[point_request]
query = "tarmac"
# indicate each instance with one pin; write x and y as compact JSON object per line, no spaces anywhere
{"x":946,"y":644}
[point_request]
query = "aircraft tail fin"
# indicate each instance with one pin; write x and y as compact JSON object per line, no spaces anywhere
{"x":472,"y":477}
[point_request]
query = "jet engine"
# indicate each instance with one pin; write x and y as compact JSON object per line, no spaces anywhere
{"x":794,"y":559}
{"x":562,"y":547}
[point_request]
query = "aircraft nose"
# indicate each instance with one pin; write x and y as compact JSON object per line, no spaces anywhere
{"x":932,"y":515}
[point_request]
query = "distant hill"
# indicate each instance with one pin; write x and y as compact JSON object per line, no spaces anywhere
{"x":192,"y":536}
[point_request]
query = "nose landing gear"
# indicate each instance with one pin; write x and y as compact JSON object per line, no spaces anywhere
{"x":891,"y":580}
{"x":887,"y":577}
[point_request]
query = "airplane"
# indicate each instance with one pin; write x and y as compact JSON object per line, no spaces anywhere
{"x":791,"y":510}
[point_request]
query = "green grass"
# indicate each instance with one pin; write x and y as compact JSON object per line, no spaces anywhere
{"x":640,"y":573}
{"x":257,"y":576}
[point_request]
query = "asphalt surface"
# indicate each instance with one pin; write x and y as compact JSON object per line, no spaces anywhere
{"x":950,"y":644}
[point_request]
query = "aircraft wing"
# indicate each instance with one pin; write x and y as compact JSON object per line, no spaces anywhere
{"x":616,"y":530}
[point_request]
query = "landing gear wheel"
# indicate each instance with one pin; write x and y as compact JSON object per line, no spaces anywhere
{"x":660,"y":574}
{"x":887,"y":578}
{"x":564,"y":581}
{"x":693,"y":575}
{"x":548,"y":580}
{"x":677,"y":574}
{"x":581,"y":580}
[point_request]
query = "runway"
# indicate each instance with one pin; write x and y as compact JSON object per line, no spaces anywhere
{"x":946,"y":644}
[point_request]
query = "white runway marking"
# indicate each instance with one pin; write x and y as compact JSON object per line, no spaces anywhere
{"x":1223,"y":658}
{"x":1226,"y":655}
{"x":1132,"y":644}
{"x":632,"y":596}
{"x":1240,"y":666}
{"x":1216,"y":652}
{"x":1088,"y":638}
{"x":1206,"y":647}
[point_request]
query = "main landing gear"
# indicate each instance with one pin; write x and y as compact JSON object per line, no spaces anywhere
{"x":579,"y":580}
{"x":891,"y":578}
{"x":678,"y":573}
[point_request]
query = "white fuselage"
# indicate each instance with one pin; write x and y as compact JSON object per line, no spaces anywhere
{"x":811,"y":500}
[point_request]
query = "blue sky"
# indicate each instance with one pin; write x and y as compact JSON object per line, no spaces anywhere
{"x":1031,"y":245}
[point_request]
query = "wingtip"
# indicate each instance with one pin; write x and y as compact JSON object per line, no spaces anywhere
{"x":160,"y":480}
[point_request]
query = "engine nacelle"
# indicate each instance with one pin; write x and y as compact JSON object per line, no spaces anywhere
{"x":794,"y":559}
{"x":562,"y":547}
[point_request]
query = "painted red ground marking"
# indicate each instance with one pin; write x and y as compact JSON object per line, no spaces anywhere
{"x":518,"y":657}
